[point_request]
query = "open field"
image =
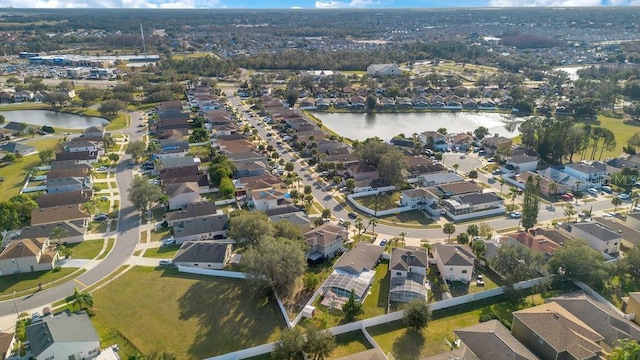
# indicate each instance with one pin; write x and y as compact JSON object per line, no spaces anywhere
{"x":14,"y":176}
{"x":192,"y":316}
{"x":162,"y":252}
{"x":382,"y":201}
{"x":621,"y":131}
{"x":26,"y":281}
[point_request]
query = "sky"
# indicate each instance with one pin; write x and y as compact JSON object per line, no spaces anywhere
{"x":306,"y":4}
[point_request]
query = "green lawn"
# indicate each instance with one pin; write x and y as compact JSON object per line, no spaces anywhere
{"x":350,"y":343}
{"x":412,"y":218}
{"x":162,"y":252}
{"x":14,"y":176}
{"x":193,"y":317}
{"x":406,"y":344}
{"x":42,"y":143}
{"x":110,"y":243}
{"x":97,"y":227}
{"x":384,"y":201}
{"x":161,"y":234}
{"x":26,"y":281}
{"x":376,"y":302}
{"x":86,"y":249}
{"x":621,"y":131}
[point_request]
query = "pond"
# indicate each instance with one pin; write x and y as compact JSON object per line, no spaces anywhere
{"x":358,"y":126}
{"x":52,"y":118}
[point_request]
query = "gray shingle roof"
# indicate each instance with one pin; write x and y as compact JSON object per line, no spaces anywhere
{"x":201,"y":251}
{"x":205,"y":225}
{"x":402,"y":259}
{"x":454,"y":255}
{"x":61,"y":328}
{"x":491,"y":340}
{"x":364,"y":256}
{"x":597,"y":230}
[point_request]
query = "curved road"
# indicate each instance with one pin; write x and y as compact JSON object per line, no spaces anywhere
{"x":126,"y":240}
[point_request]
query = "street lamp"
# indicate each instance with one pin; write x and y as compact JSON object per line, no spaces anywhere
{"x":15,"y":305}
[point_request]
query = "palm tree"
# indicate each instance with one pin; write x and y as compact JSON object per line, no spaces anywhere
{"x":455,"y":167}
{"x":514,"y":191}
{"x":553,"y":186}
{"x":569,"y":211}
{"x":373,"y":222}
{"x":58,"y":233}
{"x":449,"y":229}
{"x":83,"y":299}
{"x":616,"y":201}
{"x":359,"y":225}
{"x":501,"y":184}
{"x":402,"y":235}
{"x":347,"y":225}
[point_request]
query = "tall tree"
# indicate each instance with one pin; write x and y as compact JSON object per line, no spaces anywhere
{"x":616,"y":201}
{"x":136,"y":149}
{"x":417,"y":314}
{"x":142,"y":194}
{"x":290,"y":345}
{"x":531,"y":203}
{"x":320,"y":343}
{"x":516,"y":263}
{"x":352,"y":308}
{"x":449,"y":228}
{"x":626,"y":349}
{"x":46,"y":155}
{"x":81,"y":298}
{"x":275,"y":264}
{"x":247,"y":227}
{"x":576,"y":260}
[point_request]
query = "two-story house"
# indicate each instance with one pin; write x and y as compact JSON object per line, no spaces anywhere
{"x":599,"y":236}
{"x":455,"y":262}
{"x":491,"y":145}
{"x":433,"y":140}
{"x":408,"y":269}
{"x":28,"y":255}
{"x":324,"y":242}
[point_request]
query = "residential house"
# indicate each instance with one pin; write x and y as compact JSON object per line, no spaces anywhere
{"x":75,"y":232}
{"x":421,"y":198}
{"x":590,"y":175}
{"x":462,"y":142}
{"x":362,"y":172}
{"x":170,"y":105}
{"x":69,"y":164}
{"x":18,"y":148}
{"x":599,"y":237}
{"x":555,"y":235}
{"x":297,"y":218}
{"x":358,"y":102}
{"x":63,"y":336}
{"x":28,"y":255}
{"x":18,"y":129}
{"x":457,"y":188}
{"x":384,"y":70}
{"x":491,"y":145}
{"x":65,"y":198}
{"x":181,"y":194}
{"x":250,"y":168}
{"x":94,"y":132}
{"x":631,"y":306}
{"x":552,"y":332}
{"x":205,"y":228}
{"x":324,"y":242}
{"x":82,"y":146}
{"x":22,"y":96}
{"x":433,"y":140}
{"x":566,"y":181}
{"x":7,"y":344}
{"x":168,"y":163}
{"x":544,"y":182}
{"x":56,"y":214}
{"x":523,"y":162}
{"x":538,"y":243}
{"x":347,"y":160}
{"x":184,"y":174}
{"x":434,"y":179}
{"x":264,"y":199}
{"x":69,"y":184}
{"x":454,"y":262}
{"x":419,"y":165}
{"x":630,"y":236}
{"x":206,"y":254}
{"x":609,"y":323}
{"x":408,"y":269}
{"x":470,"y":206}
{"x":492,"y":340}
{"x":191,"y":211}
{"x":77,"y":172}
{"x":170,"y":148}
{"x":633,"y":220}
{"x":371,"y":354}
{"x":354,"y":271}
{"x":83,"y":157}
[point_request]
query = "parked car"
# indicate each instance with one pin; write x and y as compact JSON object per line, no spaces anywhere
{"x":592,"y":191}
{"x":165,"y":263}
{"x":100,"y":217}
{"x":607,"y":189}
{"x":383,"y":242}
{"x":168,"y":242}
{"x":353,"y":215}
{"x":35,"y":318}
{"x":515,"y":215}
{"x":624,"y":196}
{"x":101,"y":168}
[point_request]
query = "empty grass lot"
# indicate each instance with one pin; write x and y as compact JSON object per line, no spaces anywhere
{"x":86,"y":249}
{"x":14,"y":176}
{"x":350,"y":343}
{"x":384,"y":201}
{"x":192,"y":316}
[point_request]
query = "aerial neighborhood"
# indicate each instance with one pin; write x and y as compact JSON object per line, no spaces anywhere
{"x":400,"y":194}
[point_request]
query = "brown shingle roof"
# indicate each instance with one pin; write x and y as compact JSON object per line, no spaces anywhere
{"x":56,"y":214}
{"x":22,"y":248}
{"x":64,"y":198}
{"x":324,"y":234}
{"x":193,"y":210}
{"x":454,"y":255}
{"x":491,"y":340}
{"x":182,"y":188}
{"x":364,"y":256}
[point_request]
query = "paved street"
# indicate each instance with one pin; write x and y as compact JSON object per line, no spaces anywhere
{"x":128,"y":235}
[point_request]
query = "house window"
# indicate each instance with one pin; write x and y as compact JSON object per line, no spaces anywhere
{"x":464,"y":271}
{"x":450,"y":269}
{"x":195,"y":264}
{"x":209,"y":265}
{"x":398,"y":273}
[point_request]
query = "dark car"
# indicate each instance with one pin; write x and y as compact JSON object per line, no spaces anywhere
{"x":353,"y":215}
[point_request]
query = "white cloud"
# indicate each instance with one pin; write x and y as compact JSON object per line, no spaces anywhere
{"x":524,"y":3}
{"x":135,"y":4}
{"x":335,"y":4}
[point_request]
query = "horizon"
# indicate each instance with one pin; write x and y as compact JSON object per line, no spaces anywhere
{"x":312,"y":4}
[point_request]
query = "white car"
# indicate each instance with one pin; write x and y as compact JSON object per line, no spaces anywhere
{"x":168,"y":242}
{"x":101,"y":169}
{"x":592,"y":191}
{"x":624,"y":196}
{"x":515,"y":215}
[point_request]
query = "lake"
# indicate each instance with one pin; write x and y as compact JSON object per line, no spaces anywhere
{"x":52,"y":118}
{"x":387,"y":125}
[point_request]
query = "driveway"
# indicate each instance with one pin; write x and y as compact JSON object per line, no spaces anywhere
{"x":470,"y":161}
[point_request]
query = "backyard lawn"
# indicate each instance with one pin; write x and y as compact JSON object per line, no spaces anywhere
{"x":86,"y":249}
{"x":406,"y":344}
{"x":350,"y":343}
{"x":193,"y":317}
{"x":14,"y":176}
